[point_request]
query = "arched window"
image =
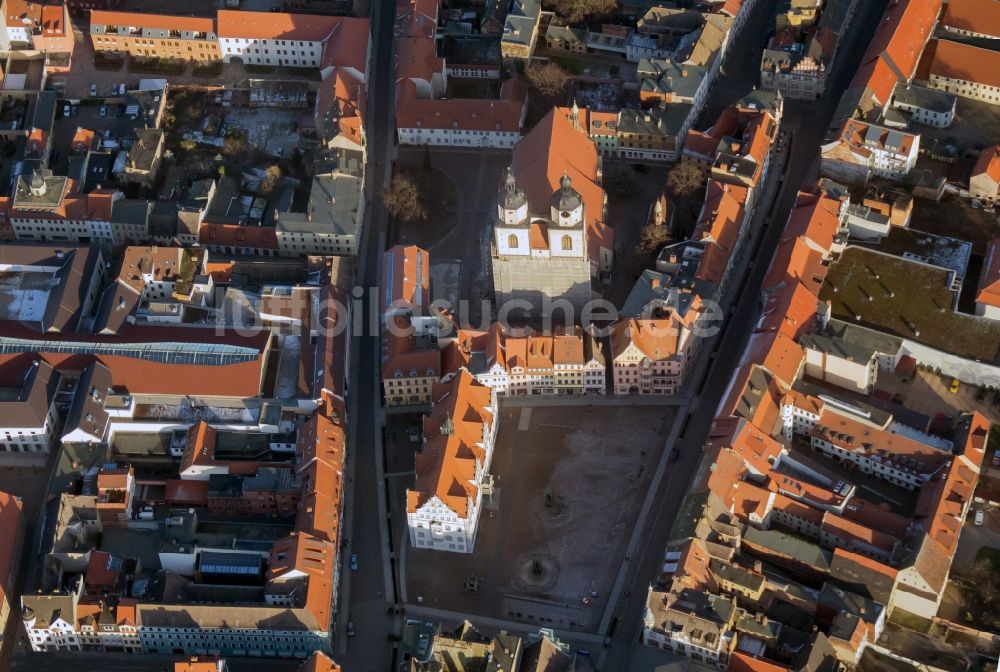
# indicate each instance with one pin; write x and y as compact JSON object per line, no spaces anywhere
{"x":567,"y":243}
{"x":512,"y":241}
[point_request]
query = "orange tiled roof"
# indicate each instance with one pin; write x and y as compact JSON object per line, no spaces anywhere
{"x":83,"y":140}
{"x":978,"y":16}
{"x":319,"y":662}
{"x":657,"y":339}
{"x":446,"y":466}
{"x":816,"y":217}
{"x":197,"y":664}
{"x":749,"y":499}
{"x":868,"y":563}
{"x":406,"y":276}
{"x":726,"y":475}
{"x":797,"y":509}
{"x":347,"y":45}
{"x":199,"y":448}
{"x":99,"y":17}
{"x":275,"y":25}
{"x":796,"y":260}
{"x":302,"y":554}
{"x":741,"y":662}
{"x":876,"y":516}
{"x":474,"y":114}
{"x":790,"y":310}
{"x":895,"y":49}
{"x":801,"y":490}
{"x":763,"y":412}
{"x":758,"y":450}
{"x":405,"y":355}
{"x":125,"y":611}
{"x":989,"y":161}
{"x":847,"y":432}
{"x":842,"y":528}
{"x":961,"y":61}
{"x":551,"y":149}
{"x":568,"y":348}
{"x":776,"y":352}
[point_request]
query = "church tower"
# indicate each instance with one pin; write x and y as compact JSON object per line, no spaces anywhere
{"x":566,"y":232}
{"x":513,"y":223}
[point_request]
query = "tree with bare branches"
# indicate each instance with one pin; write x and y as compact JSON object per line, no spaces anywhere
{"x":578,"y":11}
{"x":685,"y":179}
{"x":403,"y":200}
{"x":549,"y":79}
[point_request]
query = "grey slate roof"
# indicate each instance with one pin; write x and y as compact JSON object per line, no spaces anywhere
{"x":333,"y":207}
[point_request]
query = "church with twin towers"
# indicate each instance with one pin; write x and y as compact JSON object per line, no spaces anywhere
{"x":550,"y":242}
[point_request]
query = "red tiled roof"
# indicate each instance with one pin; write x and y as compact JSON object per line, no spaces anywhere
{"x":181,"y":492}
{"x":741,"y":662}
{"x":726,"y":475}
{"x":99,"y":573}
{"x":474,"y":114}
{"x":319,"y":662}
{"x":99,"y":17}
{"x":849,"y":531}
{"x":749,"y":499}
{"x":816,"y":217}
{"x":989,"y":161}
{"x":776,"y":352}
{"x":275,"y":25}
{"x":989,"y":279}
{"x":235,"y":235}
{"x":791,"y":310}
{"x":406,"y":276}
{"x":961,"y":61}
{"x":977,"y":16}
{"x":552,"y":149}
{"x":197,"y":664}
{"x":895,"y":49}
{"x":796,"y":260}
{"x":446,"y":466}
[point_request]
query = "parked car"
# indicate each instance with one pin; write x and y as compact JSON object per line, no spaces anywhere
{"x":354,"y":562}
{"x":980,"y":517}
{"x":104,"y":110}
{"x":67,"y":110}
{"x":93,"y":90}
{"x":955,"y":384}
{"x":996,"y":460}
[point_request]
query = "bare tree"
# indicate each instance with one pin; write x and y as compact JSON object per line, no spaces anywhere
{"x":578,"y":11}
{"x":685,"y":179}
{"x":270,"y":180}
{"x":652,"y":238}
{"x":402,"y":199}
{"x":549,"y":79}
